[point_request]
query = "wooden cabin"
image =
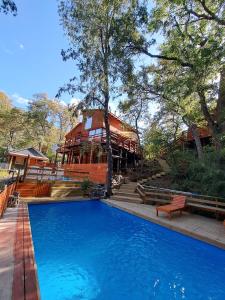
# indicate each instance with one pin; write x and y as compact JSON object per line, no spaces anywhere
{"x":85,"y":146}
{"x":20,"y":159}
{"x":186,"y":140}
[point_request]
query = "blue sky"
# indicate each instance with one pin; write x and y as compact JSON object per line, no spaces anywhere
{"x":30,"y":46}
{"x":30,"y":59}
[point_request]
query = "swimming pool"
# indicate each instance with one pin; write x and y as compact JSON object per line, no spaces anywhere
{"x":89,"y":250}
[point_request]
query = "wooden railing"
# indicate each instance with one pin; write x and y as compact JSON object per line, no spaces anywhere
{"x":4,"y":196}
{"x":155,"y":195}
{"x":116,"y":138}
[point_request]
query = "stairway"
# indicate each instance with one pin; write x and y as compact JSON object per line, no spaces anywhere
{"x":65,"y":189}
{"x":126,"y":193}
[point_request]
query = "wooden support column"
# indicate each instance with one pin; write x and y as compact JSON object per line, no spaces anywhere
{"x":120,"y":159}
{"x":10,"y":162}
{"x":27,"y":160}
{"x":63,"y":158}
{"x":126,"y":161}
{"x":91,"y":154}
{"x":56,"y":156}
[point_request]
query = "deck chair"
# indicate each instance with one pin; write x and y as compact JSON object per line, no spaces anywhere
{"x":13,"y":199}
{"x":177,"y":204}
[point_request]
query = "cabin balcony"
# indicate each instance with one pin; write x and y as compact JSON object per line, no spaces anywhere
{"x":117,"y":139}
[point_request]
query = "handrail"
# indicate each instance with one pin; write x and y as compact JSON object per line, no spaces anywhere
{"x":115,"y":138}
{"x":180,"y":192}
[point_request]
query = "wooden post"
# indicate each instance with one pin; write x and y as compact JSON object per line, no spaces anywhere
{"x":91,"y":154}
{"x":63,"y":158}
{"x":26,"y":167}
{"x":56,"y":155}
{"x":126,"y":161}
{"x":120,"y":159}
{"x":10,"y":163}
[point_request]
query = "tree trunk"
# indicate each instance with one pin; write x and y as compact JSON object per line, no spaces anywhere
{"x":194,"y":131}
{"x":109,"y":151}
{"x":212,"y":125}
{"x":220,"y":108}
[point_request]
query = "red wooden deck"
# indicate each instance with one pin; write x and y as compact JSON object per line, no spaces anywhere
{"x":25,"y":284}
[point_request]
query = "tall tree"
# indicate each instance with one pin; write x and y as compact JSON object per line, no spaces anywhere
{"x":135,"y":109}
{"x":193,"y":34}
{"x":92,"y":27}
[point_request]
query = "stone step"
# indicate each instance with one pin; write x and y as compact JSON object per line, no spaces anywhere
{"x":65,"y":191}
{"x":126,"y":191}
{"x":127,"y":199}
{"x":125,"y":194}
{"x":54,"y":188}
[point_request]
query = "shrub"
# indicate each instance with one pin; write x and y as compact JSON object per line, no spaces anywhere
{"x":86,"y":185}
{"x":204,"y":176}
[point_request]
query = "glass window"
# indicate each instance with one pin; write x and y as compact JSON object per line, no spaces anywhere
{"x":98,"y":131}
{"x":88,"y":123}
{"x":91,"y":132}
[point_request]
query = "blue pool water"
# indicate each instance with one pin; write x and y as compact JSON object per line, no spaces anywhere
{"x":89,"y":250}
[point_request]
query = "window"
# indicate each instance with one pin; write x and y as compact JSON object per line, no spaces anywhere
{"x":91,"y":132}
{"x":98,"y":131}
{"x":88,"y":123}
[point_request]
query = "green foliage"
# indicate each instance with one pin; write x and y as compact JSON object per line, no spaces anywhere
{"x":86,"y":185}
{"x":159,"y":140}
{"x":43,"y":125}
{"x":204,"y":176}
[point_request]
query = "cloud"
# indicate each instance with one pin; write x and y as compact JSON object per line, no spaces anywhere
{"x":20,"y":100}
{"x":74,"y":101}
{"x":21,"y":46}
{"x":63,"y":102}
{"x":7,"y":51}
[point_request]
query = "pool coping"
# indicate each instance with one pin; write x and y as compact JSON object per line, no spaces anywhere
{"x":161,"y":222}
{"x":25,"y":281}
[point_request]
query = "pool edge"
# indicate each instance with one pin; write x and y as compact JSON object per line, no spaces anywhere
{"x":160,"y":222}
{"x":25,"y":281}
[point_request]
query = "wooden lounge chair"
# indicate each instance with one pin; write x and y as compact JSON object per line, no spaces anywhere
{"x":177,"y":204}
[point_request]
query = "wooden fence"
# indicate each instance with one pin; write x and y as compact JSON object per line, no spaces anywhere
{"x":4,"y":196}
{"x":94,"y":172}
{"x":34,"y":189}
{"x":158,"y":196}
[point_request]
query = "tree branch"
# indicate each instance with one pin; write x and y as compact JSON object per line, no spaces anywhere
{"x":163,"y":57}
{"x":212,"y":14}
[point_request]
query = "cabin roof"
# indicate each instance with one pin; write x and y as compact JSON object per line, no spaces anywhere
{"x":129,"y":127}
{"x":31,"y":152}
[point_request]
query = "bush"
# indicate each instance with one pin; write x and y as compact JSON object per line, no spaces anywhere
{"x":204,"y":176}
{"x":85,"y":186}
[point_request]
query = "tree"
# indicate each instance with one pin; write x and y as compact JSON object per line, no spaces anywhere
{"x":63,"y":118}
{"x":176,"y":98}
{"x":38,"y":116}
{"x":5,"y":102}
{"x":135,"y":108}
{"x":193,"y":34}
{"x":8,"y":6}
{"x":93,"y":28}
{"x":11,"y":128}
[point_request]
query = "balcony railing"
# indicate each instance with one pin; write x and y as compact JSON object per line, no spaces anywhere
{"x":116,"y":138}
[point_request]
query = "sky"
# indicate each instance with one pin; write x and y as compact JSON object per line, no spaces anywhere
{"x":30,"y":59}
{"x":30,"y":46}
